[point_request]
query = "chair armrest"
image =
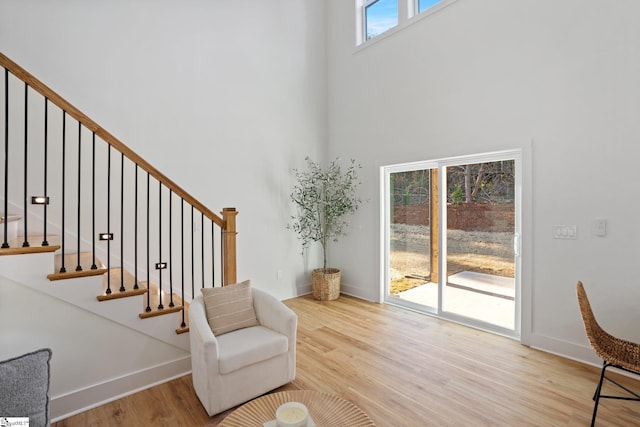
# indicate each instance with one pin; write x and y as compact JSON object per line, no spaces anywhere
{"x":204,"y":345}
{"x":273,"y":314}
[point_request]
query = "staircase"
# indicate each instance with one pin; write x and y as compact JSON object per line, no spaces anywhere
{"x":87,"y":220}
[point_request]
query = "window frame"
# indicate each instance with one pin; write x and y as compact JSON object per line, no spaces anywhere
{"x":522,"y":303}
{"x":407,"y":15}
{"x":368,"y":3}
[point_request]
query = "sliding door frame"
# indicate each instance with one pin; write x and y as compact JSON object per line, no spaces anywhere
{"x":521,"y":168}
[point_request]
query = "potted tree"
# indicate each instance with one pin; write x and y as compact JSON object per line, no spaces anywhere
{"x":324,"y":197}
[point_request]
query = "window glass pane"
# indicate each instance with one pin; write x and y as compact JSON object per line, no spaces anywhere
{"x":426,"y":4}
{"x":480,"y":282}
{"x":412,"y":277}
{"x":380,"y":16}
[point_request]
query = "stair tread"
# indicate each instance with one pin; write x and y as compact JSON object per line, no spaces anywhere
{"x":152,"y":300}
{"x":71,"y":261}
{"x":35,"y":245}
{"x":35,"y":240}
{"x":71,"y":266}
{"x":19,"y":250}
{"x":122,"y":285}
{"x":185,"y":328}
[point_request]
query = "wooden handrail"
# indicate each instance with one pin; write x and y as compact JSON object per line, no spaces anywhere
{"x":74,"y":112}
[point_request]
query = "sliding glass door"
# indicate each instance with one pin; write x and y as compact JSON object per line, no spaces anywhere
{"x":412,"y":242}
{"x":451,"y":239}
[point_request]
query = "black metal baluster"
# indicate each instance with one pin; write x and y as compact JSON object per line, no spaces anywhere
{"x":213,"y":255}
{"x":148,"y":264}
{"x":122,"y":288}
{"x":183,"y":324}
{"x":135,"y":232}
{"x":171,"y":303}
{"x":222,"y":255}
{"x":5,"y":243}
{"x":193,"y":283}
{"x":46,"y":149}
{"x":160,"y":263}
{"x":25,"y":243}
{"x":202,"y":246}
{"x":79,"y":266}
{"x":64,"y":147}
{"x":110,"y":234}
{"x":93,"y":201}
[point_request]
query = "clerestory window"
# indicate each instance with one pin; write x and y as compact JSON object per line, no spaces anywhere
{"x":426,"y":4}
{"x":375,"y":17}
{"x":380,"y":16}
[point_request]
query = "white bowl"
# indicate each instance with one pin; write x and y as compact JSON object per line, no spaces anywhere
{"x":292,"y":414}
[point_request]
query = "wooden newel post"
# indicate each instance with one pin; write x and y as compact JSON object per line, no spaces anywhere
{"x":229,"y":241}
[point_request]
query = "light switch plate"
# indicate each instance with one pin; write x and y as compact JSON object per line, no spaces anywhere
{"x":600,"y":227}
{"x":565,"y":232}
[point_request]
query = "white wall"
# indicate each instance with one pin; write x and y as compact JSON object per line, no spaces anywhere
{"x":481,"y":76}
{"x":212,"y":93}
{"x":209,"y":92}
{"x":239,"y":88}
{"x":91,"y":355}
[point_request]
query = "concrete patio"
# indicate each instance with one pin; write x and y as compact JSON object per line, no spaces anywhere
{"x":484,"y":297}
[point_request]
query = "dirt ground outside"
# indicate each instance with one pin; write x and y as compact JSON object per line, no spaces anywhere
{"x":489,"y":252}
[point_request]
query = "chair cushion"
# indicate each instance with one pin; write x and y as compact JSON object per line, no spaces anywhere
{"x":24,"y":387}
{"x":247,"y":346}
{"x":229,"y":308}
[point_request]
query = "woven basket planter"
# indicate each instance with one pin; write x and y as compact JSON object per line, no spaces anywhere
{"x":326,"y":286}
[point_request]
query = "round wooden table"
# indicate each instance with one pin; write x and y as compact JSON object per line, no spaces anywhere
{"x":325,"y":410}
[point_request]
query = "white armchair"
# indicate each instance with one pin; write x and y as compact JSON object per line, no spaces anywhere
{"x":238,"y":366}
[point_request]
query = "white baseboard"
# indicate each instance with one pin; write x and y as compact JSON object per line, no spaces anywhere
{"x":358,"y":292}
{"x":345,"y":289}
{"x":303,"y":290}
{"x":568,"y":350}
{"x":78,"y":401}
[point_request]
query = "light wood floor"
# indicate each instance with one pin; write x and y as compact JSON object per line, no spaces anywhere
{"x":403,"y":369}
